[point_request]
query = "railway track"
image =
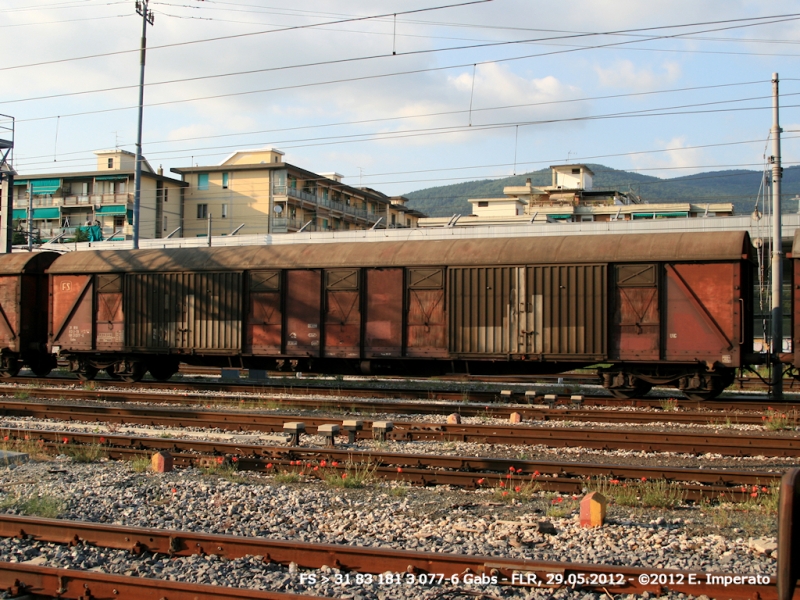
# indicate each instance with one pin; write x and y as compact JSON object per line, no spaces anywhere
{"x":349,"y":559}
{"x":419,"y":469}
{"x":733,"y":444}
{"x":338,"y":399}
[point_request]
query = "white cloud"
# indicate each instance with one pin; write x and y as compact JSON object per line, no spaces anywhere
{"x":624,"y":74}
{"x":677,"y":160}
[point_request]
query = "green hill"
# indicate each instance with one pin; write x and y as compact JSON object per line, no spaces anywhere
{"x":739,"y":187}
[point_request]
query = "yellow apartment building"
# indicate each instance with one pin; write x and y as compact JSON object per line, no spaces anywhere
{"x":256,"y":189}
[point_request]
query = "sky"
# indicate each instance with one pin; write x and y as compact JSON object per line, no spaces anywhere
{"x":404,"y":95}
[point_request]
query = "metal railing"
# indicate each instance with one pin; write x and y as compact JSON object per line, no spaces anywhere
{"x":73,"y":200}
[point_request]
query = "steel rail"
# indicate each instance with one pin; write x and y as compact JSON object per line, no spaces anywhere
{"x":530,"y":414}
{"x":374,"y":560}
{"x":392,"y":407}
{"x":741,"y":444}
{"x":471,"y":403}
{"x":28,"y":581}
{"x":421,"y":469}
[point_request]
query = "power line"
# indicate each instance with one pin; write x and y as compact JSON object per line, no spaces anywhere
{"x":366,"y":137}
{"x":440,"y":113}
{"x":254,"y":33}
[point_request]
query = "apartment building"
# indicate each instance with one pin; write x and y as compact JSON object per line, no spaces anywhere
{"x":62,"y":202}
{"x":258,"y":190}
{"x":571,"y":198}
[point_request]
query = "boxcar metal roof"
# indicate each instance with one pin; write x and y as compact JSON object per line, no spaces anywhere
{"x":25,"y":262}
{"x":729,"y":245}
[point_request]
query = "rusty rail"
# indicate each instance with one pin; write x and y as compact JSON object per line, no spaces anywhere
{"x":421,"y":469}
{"x":242,"y":416}
{"x":28,"y":581}
{"x":339,"y":396}
{"x":628,"y":580}
{"x":789,"y":535}
{"x":741,"y":444}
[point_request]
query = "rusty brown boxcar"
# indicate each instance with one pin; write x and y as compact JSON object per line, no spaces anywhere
{"x":667,"y":308}
{"x":23,"y":304}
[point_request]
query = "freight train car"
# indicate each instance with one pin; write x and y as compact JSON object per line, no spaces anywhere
{"x":651,"y":309}
{"x":23,"y":306}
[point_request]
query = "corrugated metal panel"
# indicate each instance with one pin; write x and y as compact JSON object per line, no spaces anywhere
{"x":543,"y":310}
{"x":484,"y":315}
{"x":573,"y":307}
{"x":452,"y":252}
{"x":191,"y":311}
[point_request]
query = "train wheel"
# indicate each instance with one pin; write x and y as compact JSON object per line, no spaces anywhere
{"x":640,"y":389}
{"x":164,"y":369}
{"x":137,"y":372}
{"x":41,"y":365}
{"x":87,"y":372}
{"x":110,"y":372}
{"x":10,"y":368}
{"x":702,"y":395}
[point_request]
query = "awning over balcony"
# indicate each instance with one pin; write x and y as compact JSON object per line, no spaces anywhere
{"x":46,"y":213}
{"x":110,"y":209}
{"x":655,"y":215}
{"x":20,"y":182}
{"x":45,"y":187}
{"x":38,"y":213}
{"x":559,"y":216}
{"x":111,"y":178}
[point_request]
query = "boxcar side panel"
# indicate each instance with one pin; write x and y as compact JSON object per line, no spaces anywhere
{"x":703,"y":320}
{"x":569,"y":307}
{"x":72,"y":314}
{"x":636,"y":323}
{"x":9,"y":312}
{"x":110,"y":321}
{"x":342,"y":313}
{"x":303,"y":312}
{"x":264,"y":314}
{"x":383,"y":327}
{"x":426,"y":323}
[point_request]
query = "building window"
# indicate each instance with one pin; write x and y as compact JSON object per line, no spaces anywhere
{"x":224,"y":181}
{"x":110,"y":163}
{"x":324,"y":223}
{"x":165,"y":224}
{"x":576,"y":171}
{"x":119,"y":222}
{"x":224,"y":211}
{"x":166,"y":194}
{"x":483,"y":204}
{"x":202,"y":211}
{"x":202,"y":181}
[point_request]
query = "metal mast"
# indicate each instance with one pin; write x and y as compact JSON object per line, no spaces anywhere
{"x":777,"y":268}
{"x":6,"y":182}
{"x":147,"y":17}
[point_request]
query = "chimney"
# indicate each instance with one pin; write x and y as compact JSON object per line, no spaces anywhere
{"x":160,"y":169}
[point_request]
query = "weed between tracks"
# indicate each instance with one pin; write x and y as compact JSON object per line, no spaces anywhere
{"x":355,"y":475}
{"x":47,"y":506}
{"x":775,"y":420}
{"x":669,"y":404}
{"x":650,"y":493}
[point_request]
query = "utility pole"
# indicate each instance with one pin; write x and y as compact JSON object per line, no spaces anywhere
{"x":777,"y":267}
{"x":147,"y":17}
